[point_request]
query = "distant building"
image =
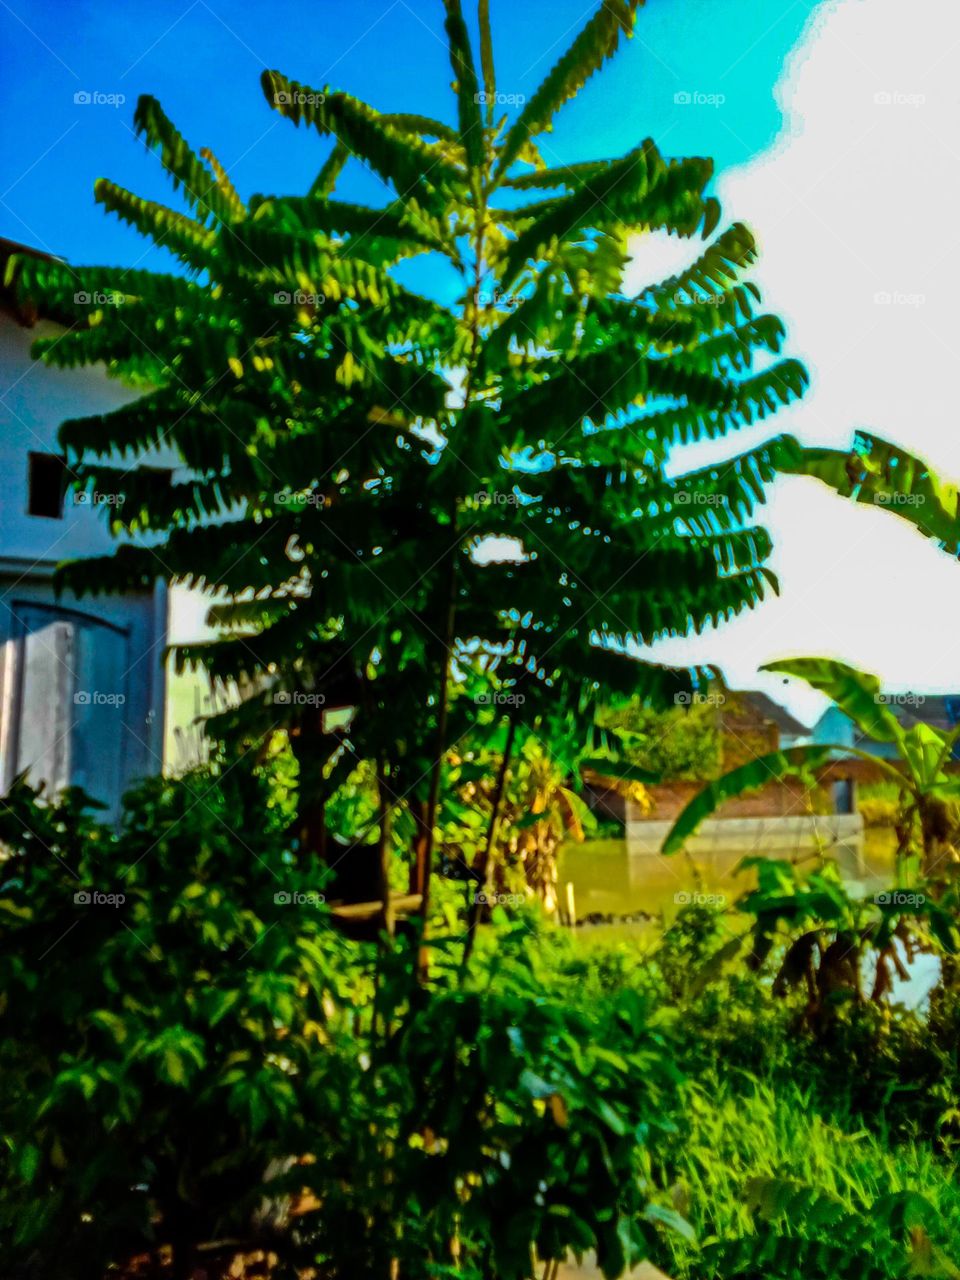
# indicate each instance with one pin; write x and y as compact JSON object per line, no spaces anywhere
{"x":751,"y":724}
{"x":939,"y":711}
{"x":82,"y":681}
{"x":790,"y":732}
{"x":782,"y":817}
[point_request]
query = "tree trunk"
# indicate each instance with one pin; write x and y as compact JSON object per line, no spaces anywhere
{"x":310,"y":750}
{"x":425,"y":855}
{"x":384,"y":851}
{"x":483,"y":869}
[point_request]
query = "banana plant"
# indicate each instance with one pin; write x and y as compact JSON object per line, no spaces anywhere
{"x":884,"y":475}
{"x":928,"y":824}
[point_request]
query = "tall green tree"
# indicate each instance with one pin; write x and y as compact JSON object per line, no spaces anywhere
{"x":374,"y":486}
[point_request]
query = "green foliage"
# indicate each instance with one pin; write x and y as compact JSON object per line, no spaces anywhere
{"x":856,"y":693}
{"x":350,"y":448}
{"x":162,"y":1012}
{"x":775,"y":1191}
{"x":682,"y":743}
{"x":205,"y":1067}
{"x":887,"y":476}
{"x":879,"y":803}
{"x":508,"y":1118}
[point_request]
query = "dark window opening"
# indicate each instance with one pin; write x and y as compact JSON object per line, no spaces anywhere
{"x":46,"y":482}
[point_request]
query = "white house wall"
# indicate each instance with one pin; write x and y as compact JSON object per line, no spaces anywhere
{"x":92,"y":668}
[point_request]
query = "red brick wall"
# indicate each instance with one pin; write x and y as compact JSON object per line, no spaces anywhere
{"x":776,"y":800}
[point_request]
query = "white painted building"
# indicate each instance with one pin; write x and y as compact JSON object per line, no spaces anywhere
{"x":82,"y":681}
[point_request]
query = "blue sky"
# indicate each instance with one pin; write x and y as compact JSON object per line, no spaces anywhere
{"x":836,"y":139}
{"x":202,"y":59}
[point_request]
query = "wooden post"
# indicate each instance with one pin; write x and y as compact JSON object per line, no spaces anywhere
{"x":571,"y":906}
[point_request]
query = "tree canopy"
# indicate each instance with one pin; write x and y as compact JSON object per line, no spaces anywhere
{"x":390,"y":499}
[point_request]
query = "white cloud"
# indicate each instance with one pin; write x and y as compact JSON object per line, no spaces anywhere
{"x":854,"y":210}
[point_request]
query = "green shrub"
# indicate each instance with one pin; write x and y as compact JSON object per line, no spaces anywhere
{"x":195,"y":1061}
{"x":774,"y":1190}
{"x":165,"y":990}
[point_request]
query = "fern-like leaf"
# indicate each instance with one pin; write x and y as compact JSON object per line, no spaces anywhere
{"x":597,"y":42}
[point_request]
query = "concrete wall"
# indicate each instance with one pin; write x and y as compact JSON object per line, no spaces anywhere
{"x":82,"y":681}
{"x":839,"y":833}
{"x":34,"y":400}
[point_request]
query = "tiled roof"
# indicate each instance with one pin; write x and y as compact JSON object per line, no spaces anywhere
{"x":767,"y":709}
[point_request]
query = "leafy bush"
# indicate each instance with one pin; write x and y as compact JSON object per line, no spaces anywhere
{"x":879,"y":803}
{"x":511,"y":1122}
{"x":775,"y":1191}
{"x":197,"y":1066}
{"x":165,"y":989}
